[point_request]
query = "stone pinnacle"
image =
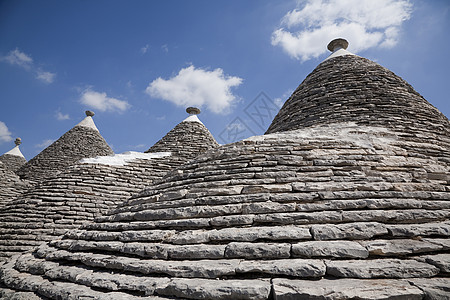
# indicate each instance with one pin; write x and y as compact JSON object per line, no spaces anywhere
{"x":193,"y":110}
{"x":89,"y":113}
{"x":337,"y":44}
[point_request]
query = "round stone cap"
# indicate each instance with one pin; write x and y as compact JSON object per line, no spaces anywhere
{"x":336,"y":44}
{"x":89,"y":113}
{"x":193,"y":110}
{"x":18,"y":141}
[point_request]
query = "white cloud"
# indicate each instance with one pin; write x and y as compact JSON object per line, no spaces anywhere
{"x":19,"y":58}
{"x":197,"y":87}
{"x":44,"y":144}
{"x":5,"y":134}
{"x":145,"y":49}
{"x":165,"y":48}
{"x":364,"y":23}
{"x":46,"y":77}
{"x":61,"y":117}
{"x":102,"y":102}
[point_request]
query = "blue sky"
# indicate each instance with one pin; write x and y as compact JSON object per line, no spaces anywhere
{"x":138,"y":64}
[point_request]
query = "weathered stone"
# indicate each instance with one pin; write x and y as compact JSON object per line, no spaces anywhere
{"x":426,"y":229}
{"x":380,"y":268}
{"x":302,"y":268}
{"x":250,"y":234}
{"x":433,"y":288}
{"x":325,"y":289}
{"x":351,"y":231}
{"x":399,"y":247}
{"x":442,"y":261}
{"x":197,"y":252}
{"x":217,"y":289}
{"x":258,"y":250}
{"x":338,"y":249}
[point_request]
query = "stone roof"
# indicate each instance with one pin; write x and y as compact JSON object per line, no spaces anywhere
{"x":188,"y":139}
{"x":83,"y":140}
{"x":343,"y":209}
{"x":78,"y":195}
{"x":13,"y":159}
{"x":10,"y":184}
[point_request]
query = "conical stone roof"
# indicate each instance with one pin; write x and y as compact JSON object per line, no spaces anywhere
{"x":83,"y":140}
{"x":13,"y":159}
{"x":337,"y":210}
{"x":188,"y":139}
{"x":79,"y":194}
{"x":10,"y":185}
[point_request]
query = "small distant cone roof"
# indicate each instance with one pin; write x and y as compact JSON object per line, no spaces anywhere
{"x":13,"y":159}
{"x":82,"y":141}
{"x":188,"y":139}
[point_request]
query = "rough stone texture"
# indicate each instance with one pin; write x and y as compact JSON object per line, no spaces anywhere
{"x":433,"y":288}
{"x":338,"y":249}
{"x":217,"y":289}
{"x":10,"y":185}
{"x":77,"y":143}
{"x":82,"y":192}
{"x":285,"y":289}
{"x":12,"y":162}
{"x":355,"y":89}
{"x":380,"y":268}
{"x":342,"y":188}
{"x":186,"y":140}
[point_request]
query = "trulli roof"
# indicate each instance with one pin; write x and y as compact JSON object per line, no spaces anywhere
{"x":332,"y":203}
{"x":83,"y":140}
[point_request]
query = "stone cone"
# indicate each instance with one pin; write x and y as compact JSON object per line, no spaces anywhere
{"x":340,"y":209}
{"x":83,"y":140}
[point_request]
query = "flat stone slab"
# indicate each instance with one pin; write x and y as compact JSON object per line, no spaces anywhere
{"x":433,"y":288}
{"x":380,"y":268}
{"x":399,"y":247}
{"x":442,"y":261}
{"x":217,"y":289}
{"x":301,"y":268}
{"x":341,"y":289}
{"x":349,"y":231}
{"x":339,"y":249}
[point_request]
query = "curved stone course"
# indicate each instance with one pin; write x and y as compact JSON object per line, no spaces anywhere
{"x":350,"y":207}
{"x":79,"y":142}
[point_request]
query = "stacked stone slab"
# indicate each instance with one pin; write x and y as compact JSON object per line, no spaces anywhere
{"x":187,"y":139}
{"x":14,"y":158}
{"x":348,"y":209}
{"x":76,"y":196}
{"x":83,"y":140}
{"x":10,"y":185}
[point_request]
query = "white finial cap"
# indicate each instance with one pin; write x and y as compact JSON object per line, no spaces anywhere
{"x":193,"y":112}
{"x":338,"y":47}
